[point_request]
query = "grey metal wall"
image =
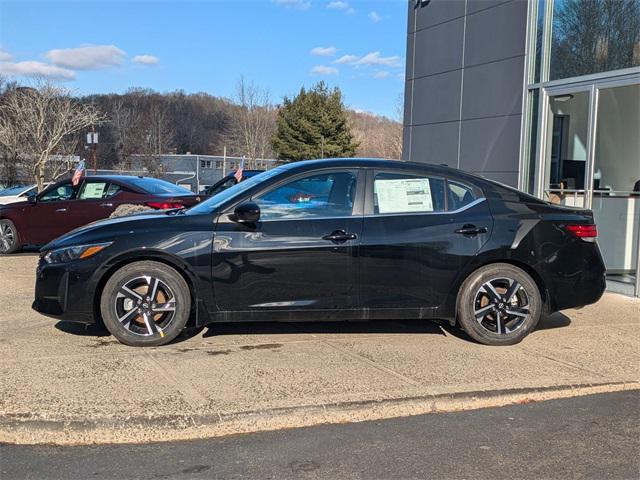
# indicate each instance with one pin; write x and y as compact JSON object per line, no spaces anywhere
{"x":464,"y":85}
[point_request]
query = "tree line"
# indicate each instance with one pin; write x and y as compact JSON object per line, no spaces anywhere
{"x":43,"y":125}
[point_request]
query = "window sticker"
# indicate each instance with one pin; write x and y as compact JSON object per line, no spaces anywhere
{"x":93,"y":190}
{"x":404,"y":195}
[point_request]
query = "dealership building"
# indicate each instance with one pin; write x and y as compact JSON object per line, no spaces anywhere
{"x":543,"y":95}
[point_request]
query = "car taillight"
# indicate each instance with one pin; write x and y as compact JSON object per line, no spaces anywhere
{"x":583,"y":231}
{"x":164,"y":205}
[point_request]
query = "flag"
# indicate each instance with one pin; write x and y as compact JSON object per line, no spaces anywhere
{"x":77,"y":175}
{"x":239,"y":171}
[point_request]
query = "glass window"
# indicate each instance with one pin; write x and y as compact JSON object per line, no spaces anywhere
{"x":617,"y":158}
{"x":539,"y":30}
{"x":407,"y":193}
{"x":98,"y":190}
{"x":155,"y":186}
{"x":460,"y":195}
{"x":61,"y":192}
{"x":228,"y":183}
{"x":317,"y":195}
{"x":594,"y":36}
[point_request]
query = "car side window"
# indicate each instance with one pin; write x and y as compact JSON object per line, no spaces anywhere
{"x":223,"y":186}
{"x":460,"y":195}
{"x":64,"y":191}
{"x":328,"y":194}
{"x":98,"y":190}
{"x":407,"y":193}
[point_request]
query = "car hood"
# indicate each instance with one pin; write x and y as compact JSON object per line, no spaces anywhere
{"x":109,"y":229}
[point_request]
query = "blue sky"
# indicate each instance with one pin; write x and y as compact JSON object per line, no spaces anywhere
{"x":97,"y":47}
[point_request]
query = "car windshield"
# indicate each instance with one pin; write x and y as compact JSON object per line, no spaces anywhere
{"x":156,"y":186}
{"x":11,"y":191}
{"x":215,"y":201}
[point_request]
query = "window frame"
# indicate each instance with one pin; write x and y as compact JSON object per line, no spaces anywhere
{"x":358,"y":203}
{"x":369,"y":207}
{"x":356,"y":209}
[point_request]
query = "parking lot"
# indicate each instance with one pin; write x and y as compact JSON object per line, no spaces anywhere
{"x":64,"y":383}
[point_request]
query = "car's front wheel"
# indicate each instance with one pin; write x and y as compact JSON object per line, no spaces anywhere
{"x":9,"y":242}
{"x":499,"y":304}
{"x":145,"y":304}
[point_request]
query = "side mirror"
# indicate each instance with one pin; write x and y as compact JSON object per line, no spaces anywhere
{"x":32,"y":199}
{"x":247,"y":212}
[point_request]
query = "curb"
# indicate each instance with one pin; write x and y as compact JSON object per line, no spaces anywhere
{"x":26,"y":430}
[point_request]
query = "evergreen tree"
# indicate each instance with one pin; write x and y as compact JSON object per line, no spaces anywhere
{"x":313,"y":125}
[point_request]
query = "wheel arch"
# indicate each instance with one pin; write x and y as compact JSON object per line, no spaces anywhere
{"x":153,"y":256}
{"x":537,"y":278}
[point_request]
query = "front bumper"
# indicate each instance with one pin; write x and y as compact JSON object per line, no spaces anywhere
{"x":65,"y":291}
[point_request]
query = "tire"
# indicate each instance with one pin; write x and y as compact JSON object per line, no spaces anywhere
{"x":135,"y":318}
{"x":9,"y":239}
{"x":494,"y":310}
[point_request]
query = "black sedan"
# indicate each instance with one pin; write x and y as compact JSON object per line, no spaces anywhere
{"x":339,"y":239}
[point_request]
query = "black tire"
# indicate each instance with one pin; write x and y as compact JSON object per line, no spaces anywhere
{"x":494,"y":310}
{"x":136,"y":318}
{"x":9,"y":239}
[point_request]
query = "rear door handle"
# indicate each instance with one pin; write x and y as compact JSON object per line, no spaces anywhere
{"x":106,"y":204}
{"x":61,"y":210}
{"x":340,"y":236}
{"x":471,"y":230}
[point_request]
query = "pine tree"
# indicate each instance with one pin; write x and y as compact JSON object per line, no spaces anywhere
{"x":313,"y":125}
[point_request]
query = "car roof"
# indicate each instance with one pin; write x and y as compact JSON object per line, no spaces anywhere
{"x":374,"y":163}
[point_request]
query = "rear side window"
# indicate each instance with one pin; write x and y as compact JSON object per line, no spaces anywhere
{"x":407,"y":193}
{"x":98,"y":190}
{"x":460,"y":195}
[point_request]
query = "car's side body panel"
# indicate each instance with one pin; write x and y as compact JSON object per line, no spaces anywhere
{"x":404,"y":266}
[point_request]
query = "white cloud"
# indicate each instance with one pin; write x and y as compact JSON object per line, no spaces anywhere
{"x":324,"y":70}
{"x":5,"y":56}
{"x":145,"y":59}
{"x":374,"y":58}
{"x":347,"y":59}
{"x":33,"y":68}
{"x":87,"y":57}
{"x":338,"y":5}
{"x":297,"y":4}
{"x":351,"y":11}
{"x":374,"y":16}
{"x":324,"y":51}
{"x":381,"y":74}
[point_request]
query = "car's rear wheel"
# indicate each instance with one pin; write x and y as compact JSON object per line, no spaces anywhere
{"x":145,"y":304}
{"x":499,"y":304}
{"x":9,"y":242}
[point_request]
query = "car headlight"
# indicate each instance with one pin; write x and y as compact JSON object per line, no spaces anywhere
{"x":78,"y":252}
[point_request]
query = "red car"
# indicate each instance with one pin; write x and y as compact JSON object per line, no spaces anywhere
{"x":63,"y":207}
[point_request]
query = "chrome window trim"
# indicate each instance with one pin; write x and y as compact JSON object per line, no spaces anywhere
{"x":451,"y":212}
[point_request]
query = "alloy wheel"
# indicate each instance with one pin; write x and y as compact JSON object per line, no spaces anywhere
{"x":501,"y":306}
{"x":7,"y":237}
{"x":145,"y":306}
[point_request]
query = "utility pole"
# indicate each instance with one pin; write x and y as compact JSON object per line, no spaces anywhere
{"x":92,"y":141}
{"x":321,"y":146}
{"x":224,"y":162}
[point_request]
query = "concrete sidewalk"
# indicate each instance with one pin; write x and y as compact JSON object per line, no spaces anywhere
{"x":62,"y":383}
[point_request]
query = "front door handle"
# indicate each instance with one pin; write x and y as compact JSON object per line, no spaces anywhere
{"x":61,"y":210}
{"x":340,"y":236}
{"x":471,"y":230}
{"x":106,"y":204}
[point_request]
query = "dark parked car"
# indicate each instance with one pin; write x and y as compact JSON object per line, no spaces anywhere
{"x":62,"y":207}
{"x":327,"y":240}
{"x":229,"y":181}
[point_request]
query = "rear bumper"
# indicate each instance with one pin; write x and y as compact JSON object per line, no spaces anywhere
{"x":65,"y":292}
{"x":579,"y":279}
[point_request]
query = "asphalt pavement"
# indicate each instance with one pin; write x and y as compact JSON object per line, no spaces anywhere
{"x":595,"y":436}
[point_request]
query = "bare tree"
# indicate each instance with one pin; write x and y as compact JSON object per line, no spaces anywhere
{"x":253,"y":123}
{"x":44,"y":117}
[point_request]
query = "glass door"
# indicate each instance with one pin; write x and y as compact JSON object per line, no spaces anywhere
{"x":566,"y":148}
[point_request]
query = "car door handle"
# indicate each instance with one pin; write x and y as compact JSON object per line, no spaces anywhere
{"x":106,"y":204}
{"x":340,"y":236}
{"x":61,"y":210}
{"x":471,"y":230}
